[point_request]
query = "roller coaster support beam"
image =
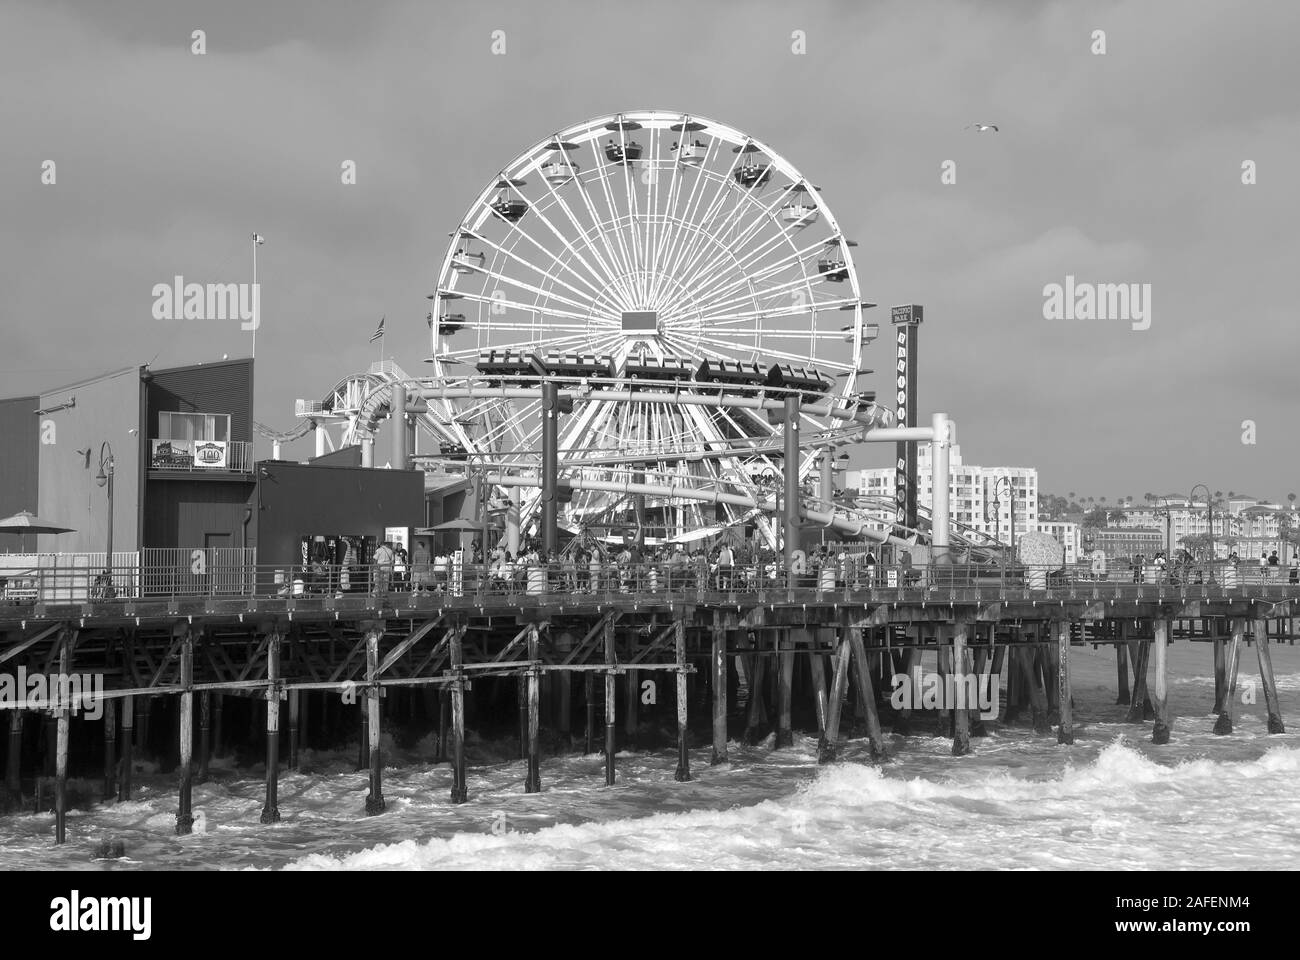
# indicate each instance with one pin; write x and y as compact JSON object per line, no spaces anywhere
{"x":398,"y":408}
{"x":790,"y":471}
{"x":939,"y":513}
{"x":550,"y":466}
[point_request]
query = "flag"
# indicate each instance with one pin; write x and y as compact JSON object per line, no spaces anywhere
{"x":257,"y":238}
{"x":379,"y":331}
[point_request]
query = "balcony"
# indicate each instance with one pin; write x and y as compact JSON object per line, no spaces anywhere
{"x":201,"y":456}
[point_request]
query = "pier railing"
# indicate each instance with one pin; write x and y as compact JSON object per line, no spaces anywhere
{"x":851,"y":580}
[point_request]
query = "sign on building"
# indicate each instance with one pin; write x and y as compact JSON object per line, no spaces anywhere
{"x":210,"y":454}
{"x":905,"y":318}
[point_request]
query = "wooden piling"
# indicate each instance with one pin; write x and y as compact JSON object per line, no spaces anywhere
{"x":986,"y":681}
{"x":1048,"y":657}
{"x":903,"y":717}
{"x":110,"y":750}
{"x":719,"y":691}
{"x":1138,"y":652}
{"x":785,"y":688}
{"x":961,"y":673}
{"x":205,"y":734}
{"x":218,"y":729}
{"x":363,"y":742}
{"x":521,"y":706}
{"x":61,"y":748}
{"x":1220,"y":674}
{"x":564,"y":693}
{"x":631,"y":708}
{"x":756,"y":712}
{"x":459,"y":788}
{"x":1266,"y":678}
{"x":1121,"y":674}
{"x":589,"y":704}
{"x":184,"y":817}
{"x":1160,"y":732}
{"x":1232,"y":663}
{"x":375,"y":798}
{"x":127,"y":762}
{"x":611,"y":717}
{"x":294,"y":711}
{"x":444,"y":723}
{"x":271,"y":808}
{"x":683,"y":773}
{"x":1065,"y":728}
{"x":817,"y":667}
{"x":13,"y":780}
{"x":1033,"y":685}
{"x":866,"y":695}
{"x":942,"y":669}
{"x":826,"y":746}
{"x":533,"y":778}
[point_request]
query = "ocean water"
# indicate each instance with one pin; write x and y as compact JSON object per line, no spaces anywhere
{"x":1113,"y":800}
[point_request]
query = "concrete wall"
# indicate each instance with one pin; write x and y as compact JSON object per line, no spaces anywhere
{"x":107,"y":408}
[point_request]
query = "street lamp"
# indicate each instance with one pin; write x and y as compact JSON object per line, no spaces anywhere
{"x":1209,"y":520}
{"x":1163,"y":511}
{"x":997,"y":498}
{"x":105,"y":478}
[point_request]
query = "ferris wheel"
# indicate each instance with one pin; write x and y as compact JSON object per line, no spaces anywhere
{"x":652,"y":250}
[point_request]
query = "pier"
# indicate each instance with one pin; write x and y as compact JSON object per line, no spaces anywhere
{"x":570,"y":657}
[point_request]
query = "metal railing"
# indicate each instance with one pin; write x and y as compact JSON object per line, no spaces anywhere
{"x":693,"y":581}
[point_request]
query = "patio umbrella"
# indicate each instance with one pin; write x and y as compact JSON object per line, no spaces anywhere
{"x":24,"y":522}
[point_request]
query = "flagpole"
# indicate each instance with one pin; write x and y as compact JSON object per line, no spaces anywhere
{"x":256,"y":297}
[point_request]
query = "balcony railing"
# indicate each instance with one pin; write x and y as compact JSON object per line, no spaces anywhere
{"x":201,"y":456}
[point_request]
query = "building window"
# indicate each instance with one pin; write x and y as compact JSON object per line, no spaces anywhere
{"x":193,"y":426}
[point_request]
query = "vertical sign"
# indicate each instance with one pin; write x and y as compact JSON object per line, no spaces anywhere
{"x":905,"y":320}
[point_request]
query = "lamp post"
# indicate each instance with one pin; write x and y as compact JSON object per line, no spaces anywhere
{"x":997,"y":498}
{"x":1209,"y":520}
{"x":1163,"y":511}
{"x":105,"y":478}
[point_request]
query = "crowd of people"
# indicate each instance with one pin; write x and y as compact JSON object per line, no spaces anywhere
{"x":592,"y":566}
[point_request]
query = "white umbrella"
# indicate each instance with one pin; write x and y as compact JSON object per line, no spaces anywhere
{"x":24,"y":522}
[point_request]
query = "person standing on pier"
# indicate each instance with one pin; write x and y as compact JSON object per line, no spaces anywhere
{"x":383,"y":562}
{"x":726,"y":560}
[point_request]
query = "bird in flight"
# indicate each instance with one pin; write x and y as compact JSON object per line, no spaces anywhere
{"x":983,"y":127}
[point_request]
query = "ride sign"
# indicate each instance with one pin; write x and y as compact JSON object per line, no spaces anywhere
{"x":906,"y":317}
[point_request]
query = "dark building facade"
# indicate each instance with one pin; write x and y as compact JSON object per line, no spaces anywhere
{"x":19,"y":446}
{"x":185,"y":477}
{"x":327,"y":505}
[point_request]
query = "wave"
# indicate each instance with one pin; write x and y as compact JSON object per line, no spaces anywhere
{"x":856,"y":815}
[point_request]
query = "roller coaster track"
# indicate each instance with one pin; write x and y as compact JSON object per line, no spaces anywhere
{"x":362,"y":401}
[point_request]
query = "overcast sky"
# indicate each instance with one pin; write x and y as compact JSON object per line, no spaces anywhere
{"x":1122,"y":168}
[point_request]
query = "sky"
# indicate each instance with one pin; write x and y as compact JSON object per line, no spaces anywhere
{"x":1122,"y":167}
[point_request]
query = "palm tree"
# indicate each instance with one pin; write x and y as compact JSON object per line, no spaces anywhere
{"x":1291,"y":498}
{"x":1232,"y":493}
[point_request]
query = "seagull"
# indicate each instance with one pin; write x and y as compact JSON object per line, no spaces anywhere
{"x":983,"y":127}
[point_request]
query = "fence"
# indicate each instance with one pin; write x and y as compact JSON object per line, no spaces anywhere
{"x":230,"y":573}
{"x":66,"y":577}
{"x":211,"y":571}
